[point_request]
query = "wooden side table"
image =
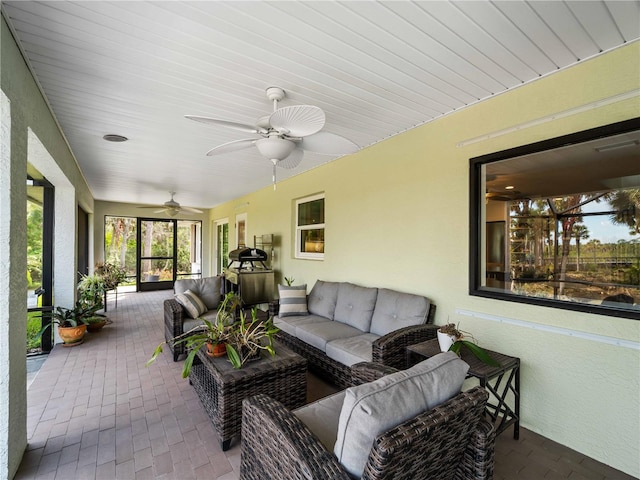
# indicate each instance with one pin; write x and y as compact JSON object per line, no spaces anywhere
{"x":491,"y":378}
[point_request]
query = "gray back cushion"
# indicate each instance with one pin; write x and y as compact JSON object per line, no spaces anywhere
{"x":355,"y":305}
{"x":322,"y":299}
{"x":396,"y":310}
{"x":373,"y":408}
{"x":208,"y":289}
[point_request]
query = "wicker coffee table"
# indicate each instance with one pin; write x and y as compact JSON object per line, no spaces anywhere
{"x":222,"y":388}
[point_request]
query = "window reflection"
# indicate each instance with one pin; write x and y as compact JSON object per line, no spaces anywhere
{"x":559,"y":225}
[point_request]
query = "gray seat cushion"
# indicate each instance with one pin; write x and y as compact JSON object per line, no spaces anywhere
{"x":373,"y":408}
{"x":322,"y":418}
{"x":355,"y":305}
{"x":289,"y":324}
{"x":322,"y":299}
{"x":190,"y":323}
{"x":317,"y":334}
{"x":352,"y":350}
{"x":395,"y":310}
{"x":208,"y":289}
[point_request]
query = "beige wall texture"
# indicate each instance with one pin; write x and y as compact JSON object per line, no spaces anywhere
{"x":29,"y":134}
{"x":397,"y":216}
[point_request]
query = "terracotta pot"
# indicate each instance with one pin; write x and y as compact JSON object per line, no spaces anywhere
{"x":72,"y":336}
{"x":94,"y":327}
{"x":217,"y":350}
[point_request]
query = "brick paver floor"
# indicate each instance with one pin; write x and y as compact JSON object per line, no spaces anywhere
{"x":95,"y":411}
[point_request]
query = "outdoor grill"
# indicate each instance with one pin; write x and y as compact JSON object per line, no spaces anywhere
{"x":247,"y":256}
{"x":248,"y":276}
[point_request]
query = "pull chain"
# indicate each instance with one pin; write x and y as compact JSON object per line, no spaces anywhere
{"x":274,"y":161}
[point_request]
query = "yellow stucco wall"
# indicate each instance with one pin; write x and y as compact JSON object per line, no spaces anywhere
{"x":397,"y":216}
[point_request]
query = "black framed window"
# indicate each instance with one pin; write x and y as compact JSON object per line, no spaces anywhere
{"x":555,"y":223}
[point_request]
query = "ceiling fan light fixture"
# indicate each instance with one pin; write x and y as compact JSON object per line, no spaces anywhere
{"x":173,"y":211}
{"x":275,"y":148}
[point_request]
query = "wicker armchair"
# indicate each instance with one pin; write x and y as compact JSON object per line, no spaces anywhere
{"x":451,"y":441}
{"x":176,"y":320}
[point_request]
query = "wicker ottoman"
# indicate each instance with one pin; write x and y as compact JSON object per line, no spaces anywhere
{"x":221,"y":388}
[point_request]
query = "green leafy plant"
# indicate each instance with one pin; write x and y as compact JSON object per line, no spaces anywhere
{"x":247,"y":338}
{"x":111,"y":274}
{"x":289,"y":280}
{"x":91,"y":290}
{"x":452,"y":330}
{"x":242,"y":338}
{"x":70,"y":317}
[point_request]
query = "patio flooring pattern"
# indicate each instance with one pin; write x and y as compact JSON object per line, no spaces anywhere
{"x":95,"y":411}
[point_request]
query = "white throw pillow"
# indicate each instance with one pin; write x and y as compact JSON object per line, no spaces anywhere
{"x":191,"y":303}
{"x":293,"y":300}
{"x":374,"y":408}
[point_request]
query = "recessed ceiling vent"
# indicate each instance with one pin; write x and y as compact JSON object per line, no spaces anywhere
{"x":115,"y":138}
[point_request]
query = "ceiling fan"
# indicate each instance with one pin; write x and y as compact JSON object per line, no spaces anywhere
{"x":283,"y":136}
{"x":173,"y":208}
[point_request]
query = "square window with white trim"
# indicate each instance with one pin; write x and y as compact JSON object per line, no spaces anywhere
{"x":310,"y":227}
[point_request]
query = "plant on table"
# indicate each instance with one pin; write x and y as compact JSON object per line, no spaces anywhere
{"x":248,"y":338}
{"x":242,"y":338}
{"x":111,"y":273}
{"x":457,"y":342}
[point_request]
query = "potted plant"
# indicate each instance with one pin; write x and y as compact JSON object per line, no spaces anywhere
{"x":91,"y":290}
{"x":72,"y":322}
{"x":209,"y":334}
{"x":450,"y":338}
{"x":96,"y":322}
{"x":248,"y":338}
{"x":111,"y":274}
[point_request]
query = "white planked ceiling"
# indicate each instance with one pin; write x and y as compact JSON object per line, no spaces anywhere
{"x":375,"y":68}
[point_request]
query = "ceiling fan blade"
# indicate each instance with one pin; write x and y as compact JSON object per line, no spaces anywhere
{"x":233,"y":146}
{"x":160,"y":211}
{"x":327,"y":143}
{"x":190,"y":210}
{"x":293,"y":160}
{"x":298,"y":120}
{"x":243,"y":127}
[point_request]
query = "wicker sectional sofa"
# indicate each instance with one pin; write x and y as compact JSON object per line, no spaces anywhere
{"x":345,"y":324}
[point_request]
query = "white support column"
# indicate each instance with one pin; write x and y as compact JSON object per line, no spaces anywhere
{"x":13,"y":288}
{"x":65,"y":224}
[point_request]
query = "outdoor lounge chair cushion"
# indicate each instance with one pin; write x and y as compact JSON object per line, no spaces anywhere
{"x":354,"y":305}
{"x":322,"y":299}
{"x":208,"y":289}
{"x":293,"y":300}
{"x":317,"y":334}
{"x":322,"y":418}
{"x":349,"y":351}
{"x":395,"y":310}
{"x":289,"y":324}
{"x":373,"y":408}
